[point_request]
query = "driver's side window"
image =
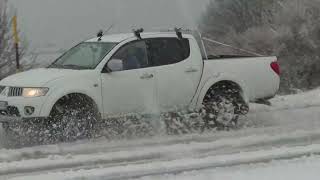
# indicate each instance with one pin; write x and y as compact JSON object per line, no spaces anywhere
{"x":131,"y":56}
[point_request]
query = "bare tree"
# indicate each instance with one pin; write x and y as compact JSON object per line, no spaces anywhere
{"x":7,"y":50}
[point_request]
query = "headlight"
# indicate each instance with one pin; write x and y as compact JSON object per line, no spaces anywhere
{"x":34,"y":92}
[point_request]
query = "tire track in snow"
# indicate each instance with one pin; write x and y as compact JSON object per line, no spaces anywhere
{"x":164,"y":153}
{"x":162,"y":150}
{"x":98,"y":146}
{"x":133,"y":171}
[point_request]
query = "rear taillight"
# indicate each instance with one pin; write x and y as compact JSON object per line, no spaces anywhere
{"x":275,"y":67}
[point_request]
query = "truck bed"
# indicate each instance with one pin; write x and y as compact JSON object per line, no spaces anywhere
{"x":258,"y":79}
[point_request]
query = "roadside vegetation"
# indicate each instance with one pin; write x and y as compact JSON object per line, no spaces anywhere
{"x":285,"y":28}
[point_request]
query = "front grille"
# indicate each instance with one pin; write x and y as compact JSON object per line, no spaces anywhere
{"x":15,"y":91}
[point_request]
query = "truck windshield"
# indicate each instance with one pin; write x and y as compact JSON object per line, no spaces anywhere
{"x":86,"y":55}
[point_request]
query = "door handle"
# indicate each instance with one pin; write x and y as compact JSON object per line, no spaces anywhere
{"x":191,"y":70}
{"x":146,"y":76}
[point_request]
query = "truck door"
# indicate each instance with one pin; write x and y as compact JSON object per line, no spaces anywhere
{"x":130,"y":87}
{"x":178,"y":73}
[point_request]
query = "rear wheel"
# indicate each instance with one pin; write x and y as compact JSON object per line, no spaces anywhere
{"x":222,"y":107}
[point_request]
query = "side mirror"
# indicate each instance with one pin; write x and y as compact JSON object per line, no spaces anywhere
{"x":114,"y":65}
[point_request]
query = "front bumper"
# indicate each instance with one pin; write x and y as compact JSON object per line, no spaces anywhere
{"x":12,"y":109}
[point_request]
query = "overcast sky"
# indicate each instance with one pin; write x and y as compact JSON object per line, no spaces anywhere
{"x":65,"y":22}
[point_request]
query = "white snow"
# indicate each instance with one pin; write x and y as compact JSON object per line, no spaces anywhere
{"x":297,"y":169}
{"x":180,"y":166}
{"x":288,"y":129}
{"x":296,"y":101}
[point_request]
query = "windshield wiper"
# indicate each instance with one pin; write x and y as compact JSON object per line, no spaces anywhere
{"x":59,"y":66}
{"x":73,"y":66}
{"x":68,"y":66}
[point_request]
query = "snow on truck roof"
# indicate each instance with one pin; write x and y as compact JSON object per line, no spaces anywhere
{"x":124,"y":36}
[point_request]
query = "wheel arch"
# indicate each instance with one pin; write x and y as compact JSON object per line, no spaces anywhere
{"x":53,"y":100}
{"x":216,"y":82}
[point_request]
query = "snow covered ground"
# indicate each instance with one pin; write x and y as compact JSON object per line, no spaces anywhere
{"x":297,"y":169}
{"x":282,"y":142}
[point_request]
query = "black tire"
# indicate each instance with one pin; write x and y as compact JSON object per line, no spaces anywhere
{"x":222,"y":107}
{"x":73,"y":117}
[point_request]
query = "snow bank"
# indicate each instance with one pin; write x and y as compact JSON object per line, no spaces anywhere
{"x":296,"y":101}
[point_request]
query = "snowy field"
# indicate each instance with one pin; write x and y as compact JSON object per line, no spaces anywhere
{"x":282,"y":142}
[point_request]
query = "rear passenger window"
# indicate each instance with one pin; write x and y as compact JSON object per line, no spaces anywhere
{"x":165,"y":51}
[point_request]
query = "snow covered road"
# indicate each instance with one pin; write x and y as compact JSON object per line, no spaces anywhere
{"x":296,"y":169}
{"x":289,"y":129}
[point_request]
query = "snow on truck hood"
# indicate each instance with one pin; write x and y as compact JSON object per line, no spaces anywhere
{"x":35,"y":77}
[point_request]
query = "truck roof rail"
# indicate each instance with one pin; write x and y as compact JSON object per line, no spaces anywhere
{"x":100,"y":35}
{"x":137,"y":32}
{"x":101,"y":32}
{"x":182,"y":30}
{"x":178,"y":32}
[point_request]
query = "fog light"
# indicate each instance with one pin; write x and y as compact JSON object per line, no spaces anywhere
{"x":28,"y":110}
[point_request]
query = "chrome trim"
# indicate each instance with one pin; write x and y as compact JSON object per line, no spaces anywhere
{"x":5,"y":91}
{"x":15,"y":91}
{"x":2,"y":88}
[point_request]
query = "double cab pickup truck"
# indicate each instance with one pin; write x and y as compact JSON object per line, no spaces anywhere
{"x":136,"y":73}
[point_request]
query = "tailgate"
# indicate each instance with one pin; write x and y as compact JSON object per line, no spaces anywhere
{"x":263,"y":78}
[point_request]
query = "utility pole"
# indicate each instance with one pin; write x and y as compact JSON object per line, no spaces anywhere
{"x":16,"y":40}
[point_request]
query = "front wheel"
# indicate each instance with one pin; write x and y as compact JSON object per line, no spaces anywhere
{"x":73,"y":117}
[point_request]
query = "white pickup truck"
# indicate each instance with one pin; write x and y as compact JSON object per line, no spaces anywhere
{"x":136,"y":73}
